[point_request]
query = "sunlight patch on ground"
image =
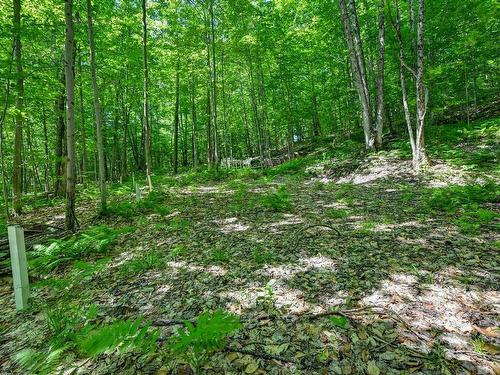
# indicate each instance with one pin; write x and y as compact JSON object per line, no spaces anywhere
{"x":288,"y":219}
{"x":336,"y":205}
{"x":122,"y":258}
{"x":390,"y":227}
{"x":230,"y":225}
{"x":182,"y":265}
{"x":452,"y":309}
{"x":378,"y":168}
{"x":287,"y":271}
{"x":283,"y":297}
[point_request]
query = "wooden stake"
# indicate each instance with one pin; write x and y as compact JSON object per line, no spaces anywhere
{"x":19,"y":266}
{"x":137,"y":192}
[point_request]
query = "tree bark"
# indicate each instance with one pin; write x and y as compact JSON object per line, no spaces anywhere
{"x":82,"y":123}
{"x":17,"y":171}
{"x":194,"y":146}
{"x":60,"y":161}
{"x":71,"y":221}
{"x":420,"y":158}
{"x":176,"y":122}
{"x":380,"y":76}
{"x":213,"y":109}
{"x":147,"y":128}
{"x":402,"y":79}
{"x":351,"y":31}
{"x":97,"y":109}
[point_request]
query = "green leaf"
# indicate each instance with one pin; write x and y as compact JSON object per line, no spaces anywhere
{"x":339,"y":321}
{"x":372,"y":368}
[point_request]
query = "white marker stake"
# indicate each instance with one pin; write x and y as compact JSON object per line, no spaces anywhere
{"x":19,"y":266}
{"x":137,"y":192}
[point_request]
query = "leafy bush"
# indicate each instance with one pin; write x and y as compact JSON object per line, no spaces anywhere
{"x":278,"y":201}
{"x":196,"y":342}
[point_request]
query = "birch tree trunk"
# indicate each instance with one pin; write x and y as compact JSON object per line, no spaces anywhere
{"x":17,"y":171}
{"x":420,"y":157}
{"x":402,"y":79}
{"x":97,"y":109}
{"x":71,"y":221}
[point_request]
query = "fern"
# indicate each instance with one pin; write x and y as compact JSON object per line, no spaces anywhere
{"x":122,"y":335}
{"x":39,"y":362}
{"x":195,"y":343}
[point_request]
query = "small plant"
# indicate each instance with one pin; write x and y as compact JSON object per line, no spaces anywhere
{"x":278,"y":201}
{"x":91,"y":242}
{"x":219,"y":256}
{"x":263,"y":257}
{"x":122,"y":335}
{"x":335,"y":213}
{"x":148,"y":261}
{"x":339,"y":321}
{"x":195,"y":343}
{"x":178,"y":252}
{"x":179,"y":223}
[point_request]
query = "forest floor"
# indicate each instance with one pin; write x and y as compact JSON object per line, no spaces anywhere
{"x":336,"y":263}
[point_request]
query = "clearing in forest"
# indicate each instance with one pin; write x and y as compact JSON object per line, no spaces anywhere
{"x":324,"y":264}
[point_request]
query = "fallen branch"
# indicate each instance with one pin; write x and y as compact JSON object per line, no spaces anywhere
{"x":299,"y":231}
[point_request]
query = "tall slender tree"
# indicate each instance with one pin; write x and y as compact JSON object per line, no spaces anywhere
{"x":380,"y":75}
{"x":97,"y":109}
{"x":420,"y":158}
{"x":176,"y":121}
{"x":146,"y":125}
{"x":69,"y":70}
{"x":17,"y":175}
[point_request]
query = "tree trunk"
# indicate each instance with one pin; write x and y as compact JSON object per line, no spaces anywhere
{"x":147,"y":128}
{"x":71,"y":221}
{"x":97,"y":109}
{"x":5,"y":188}
{"x":17,"y":171}
{"x":82,"y":122}
{"x":176,"y":122}
{"x":46,"y":150}
{"x":420,"y":158}
{"x":60,"y":161}
{"x":213,"y":110}
{"x":380,"y":77}
{"x":351,"y":31}
{"x":402,"y":79}
{"x":194,"y":151}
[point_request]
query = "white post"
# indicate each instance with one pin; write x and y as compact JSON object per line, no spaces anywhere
{"x":137,"y":192}
{"x":19,"y":266}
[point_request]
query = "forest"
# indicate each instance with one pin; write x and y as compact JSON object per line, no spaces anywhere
{"x":250,"y":187}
